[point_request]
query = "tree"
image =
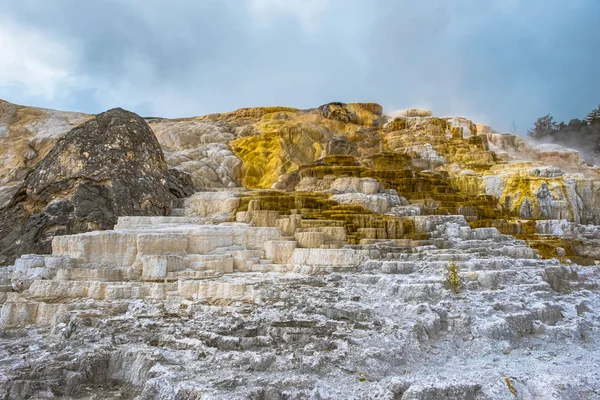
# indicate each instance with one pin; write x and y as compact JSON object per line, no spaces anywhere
{"x":574,"y":125}
{"x":582,"y":135}
{"x":577,"y":124}
{"x":593,"y":117}
{"x":544,"y":126}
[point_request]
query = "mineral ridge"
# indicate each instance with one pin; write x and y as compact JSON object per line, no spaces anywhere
{"x":330,"y":253}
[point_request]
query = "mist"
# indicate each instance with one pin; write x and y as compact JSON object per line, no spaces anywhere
{"x":581,"y":134}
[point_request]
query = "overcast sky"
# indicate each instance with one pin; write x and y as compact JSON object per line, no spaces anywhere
{"x":494,"y":61}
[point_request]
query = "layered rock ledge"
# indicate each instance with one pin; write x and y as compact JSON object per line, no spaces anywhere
{"x":330,"y":253}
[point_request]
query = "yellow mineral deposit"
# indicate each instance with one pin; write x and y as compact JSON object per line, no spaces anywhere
{"x":319,"y":232}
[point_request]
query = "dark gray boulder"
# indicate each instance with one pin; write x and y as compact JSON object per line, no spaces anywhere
{"x":107,"y":167}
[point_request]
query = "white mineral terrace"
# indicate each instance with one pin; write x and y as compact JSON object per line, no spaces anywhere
{"x":187,"y":307}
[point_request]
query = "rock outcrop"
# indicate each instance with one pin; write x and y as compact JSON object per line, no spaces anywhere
{"x":421,"y":165}
{"x":200,"y":149}
{"x":27,"y":134}
{"x":109,"y":166}
{"x":330,"y":253}
{"x":163,"y":307}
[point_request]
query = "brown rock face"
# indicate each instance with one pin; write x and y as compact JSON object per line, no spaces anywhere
{"x":110,"y":166}
{"x":27,"y":134}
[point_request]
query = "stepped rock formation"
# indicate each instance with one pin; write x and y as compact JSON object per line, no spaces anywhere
{"x":109,"y":166}
{"x":330,"y":253}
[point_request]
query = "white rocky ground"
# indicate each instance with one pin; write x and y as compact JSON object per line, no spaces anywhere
{"x":192,"y":307}
{"x":173,"y":308}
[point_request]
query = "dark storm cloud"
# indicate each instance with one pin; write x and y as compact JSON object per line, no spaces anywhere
{"x":493,"y":61}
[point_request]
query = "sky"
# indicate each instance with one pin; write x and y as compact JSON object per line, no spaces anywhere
{"x":500,"y":62}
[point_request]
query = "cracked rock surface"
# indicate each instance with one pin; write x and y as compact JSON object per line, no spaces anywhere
{"x":109,"y":166}
{"x":153,"y":310}
{"x":329,"y":253}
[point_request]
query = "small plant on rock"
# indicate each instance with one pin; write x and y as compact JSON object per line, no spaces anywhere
{"x":363,"y":376}
{"x":453,"y":278}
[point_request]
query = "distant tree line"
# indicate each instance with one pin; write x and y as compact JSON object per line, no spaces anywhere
{"x":580,"y":134}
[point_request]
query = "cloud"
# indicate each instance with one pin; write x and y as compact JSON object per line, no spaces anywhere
{"x":143,"y":90}
{"x":37,"y":64}
{"x":494,"y":61}
{"x":307,"y":12}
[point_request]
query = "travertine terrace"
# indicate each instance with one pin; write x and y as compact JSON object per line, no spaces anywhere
{"x":315,"y":261}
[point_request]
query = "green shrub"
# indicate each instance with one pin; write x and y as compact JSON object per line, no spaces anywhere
{"x":453,"y":277}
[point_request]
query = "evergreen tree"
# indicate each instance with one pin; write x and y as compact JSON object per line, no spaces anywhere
{"x":576,"y":124}
{"x":593,"y":117}
{"x":544,"y":126}
{"x":582,"y":135}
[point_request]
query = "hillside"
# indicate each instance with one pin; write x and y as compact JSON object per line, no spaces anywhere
{"x":335,"y":252}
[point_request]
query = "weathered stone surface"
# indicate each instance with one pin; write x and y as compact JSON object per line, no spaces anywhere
{"x":310,"y":239}
{"x":268,"y":147}
{"x":200,"y":149}
{"x":109,"y":166}
{"x":557,"y":155}
{"x":378,"y":203}
{"x":480,"y":271}
{"x":329,"y":257}
{"x":348,"y":323}
{"x":367,"y":186}
{"x":219,"y":205}
{"x":27,"y":134}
